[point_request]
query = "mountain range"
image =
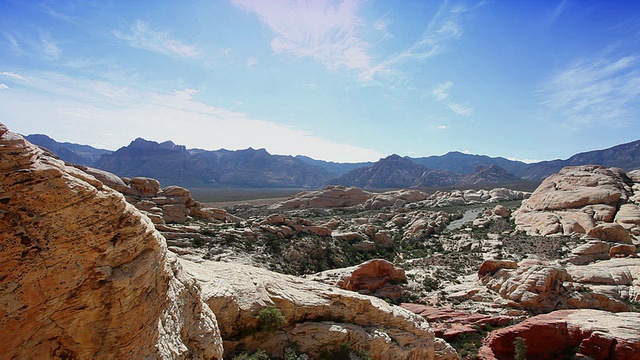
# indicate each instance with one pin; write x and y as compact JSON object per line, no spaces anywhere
{"x":174,"y":164}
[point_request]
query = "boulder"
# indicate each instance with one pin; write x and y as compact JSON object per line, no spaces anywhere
{"x":575,"y":200}
{"x":84,"y":274}
{"x":611,"y":232}
{"x":377,"y":277}
{"x":592,"y":334}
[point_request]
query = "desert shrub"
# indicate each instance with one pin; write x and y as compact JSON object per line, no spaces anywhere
{"x":270,"y":318}
{"x":520,"y":349}
{"x":258,"y":355}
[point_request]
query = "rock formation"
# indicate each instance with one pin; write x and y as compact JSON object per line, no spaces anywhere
{"x":317,"y":316}
{"x":593,"y":334}
{"x":83,"y":274}
{"x":579,"y":199}
{"x":376,"y":277}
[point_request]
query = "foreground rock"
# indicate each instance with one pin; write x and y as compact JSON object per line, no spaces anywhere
{"x":83,"y":274}
{"x":318,"y":317}
{"x":562,"y":334}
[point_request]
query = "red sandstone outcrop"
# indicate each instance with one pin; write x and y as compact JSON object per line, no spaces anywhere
{"x":538,"y":288}
{"x":581,"y":199}
{"x":375,"y":277}
{"x":318,"y":316}
{"x":331,"y":196}
{"x":595,"y":334}
{"x":83,"y":274}
{"x":449,"y":323}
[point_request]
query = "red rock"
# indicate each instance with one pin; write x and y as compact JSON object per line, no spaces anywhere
{"x":449,"y":323}
{"x":596,"y":334}
{"x":489,"y":266}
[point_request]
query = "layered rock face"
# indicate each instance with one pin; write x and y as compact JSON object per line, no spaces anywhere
{"x":83,"y":274}
{"x":561,"y":334}
{"x":583,"y":199}
{"x":318,"y":317}
{"x":172,"y":204}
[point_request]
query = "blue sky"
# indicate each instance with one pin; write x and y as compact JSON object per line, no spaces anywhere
{"x":335,"y":80}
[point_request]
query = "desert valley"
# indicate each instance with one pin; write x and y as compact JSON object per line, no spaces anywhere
{"x":482,"y":258}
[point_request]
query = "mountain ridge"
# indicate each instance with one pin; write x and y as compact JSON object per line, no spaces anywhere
{"x":254,"y":168}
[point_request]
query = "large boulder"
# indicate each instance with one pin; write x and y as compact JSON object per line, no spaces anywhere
{"x":562,"y":334}
{"x":318,"y":317}
{"x":84,"y":274}
{"x":575,"y":200}
{"x":375,"y":277}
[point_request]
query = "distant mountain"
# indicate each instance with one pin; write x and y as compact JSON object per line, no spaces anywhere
{"x":390,"y":172}
{"x":398,"y":172}
{"x":462,"y":163}
{"x":334,"y":168}
{"x":625,"y":156}
{"x":492,"y":174}
{"x":173,"y":164}
{"x":73,"y":153}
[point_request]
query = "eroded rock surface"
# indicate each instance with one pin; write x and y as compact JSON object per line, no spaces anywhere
{"x":594,"y":334}
{"x":318,"y":316}
{"x":581,"y":199}
{"x":83,"y":274}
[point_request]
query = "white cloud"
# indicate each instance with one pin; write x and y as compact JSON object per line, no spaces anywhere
{"x":3,"y":86}
{"x":441,"y":92}
{"x":595,"y":92}
{"x":142,"y":36}
{"x":459,"y":108}
{"x":104,"y":115}
{"x":251,"y":61}
{"x":527,"y":161}
{"x":324,"y":30}
{"x":442,"y":127}
{"x":49,"y":47}
{"x":13,"y":75}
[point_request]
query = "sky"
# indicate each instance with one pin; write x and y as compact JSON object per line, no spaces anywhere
{"x":344,"y":81}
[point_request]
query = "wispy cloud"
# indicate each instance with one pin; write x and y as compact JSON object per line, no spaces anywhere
{"x":3,"y":86}
{"x":332,"y":33}
{"x":460,"y":109}
{"x":49,"y":47}
{"x":595,"y":92}
{"x":441,"y":94}
{"x":324,"y":30}
{"x":142,"y":36}
{"x":13,"y":43}
{"x":110,"y":116}
{"x":251,"y":61}
{"x":442,"y":127}
{"x":13,"y":75}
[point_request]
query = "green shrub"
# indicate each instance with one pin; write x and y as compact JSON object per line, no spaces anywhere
{"x":520,"y":349}
{"x":270,"y":318}
{"x":258,"y":355}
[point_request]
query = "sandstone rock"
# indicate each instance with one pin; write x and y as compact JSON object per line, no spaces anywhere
{"x":611,"y":232}
{"x":374,"y":277}
{"x":146,"y":187}
{"x":348,"y":236}
{"x":333,"y":196}
{"x":575,"y":200}
{"x":318,"y":316}
{"x":628,"y":216}
{"x":450,"y":323}
{"x":490,"y":266}
{"x":596,"y":334}
{"x":622,"y":250}
{"x":83,"y":274}
{"x":590,"y":252}
{"x":501,"y":211}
